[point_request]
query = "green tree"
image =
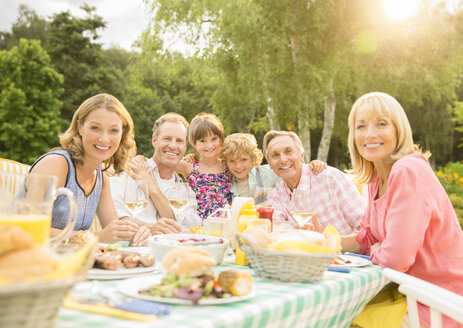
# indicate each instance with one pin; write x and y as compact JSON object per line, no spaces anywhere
{"x":162,"y":83}
{"x":295,"y":64}
{"x":418,"y":61}
{"x":80,"y":60}
{"x":29,"y":102}
{"x":27,"y":26}
{"x":280,"y":64}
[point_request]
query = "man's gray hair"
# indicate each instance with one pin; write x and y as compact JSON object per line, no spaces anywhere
{"x":273,"y":133}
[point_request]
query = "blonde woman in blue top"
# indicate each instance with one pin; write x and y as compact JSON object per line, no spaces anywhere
{"x":100,"y":136}
{"x":243,"y":159}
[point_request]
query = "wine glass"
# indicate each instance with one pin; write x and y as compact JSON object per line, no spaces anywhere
{"x":136,"y":195}
{"x":178,"y":195}
{"x":302,"y":205}
{"x":263,"y":203}
{"x":261,"y":197}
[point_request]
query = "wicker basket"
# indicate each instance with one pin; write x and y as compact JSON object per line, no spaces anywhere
{"x":285,"y":266}
{"x":36,"y":305}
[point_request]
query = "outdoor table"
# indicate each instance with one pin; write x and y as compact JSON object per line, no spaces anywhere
{"x":332,"y":302}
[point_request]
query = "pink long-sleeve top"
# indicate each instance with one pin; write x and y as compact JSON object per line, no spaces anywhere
{"x":417,"y":227}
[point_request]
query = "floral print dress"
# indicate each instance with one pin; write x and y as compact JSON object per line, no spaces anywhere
{"x":212,"y":190}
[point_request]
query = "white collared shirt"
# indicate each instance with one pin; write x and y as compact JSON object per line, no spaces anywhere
{"x":186,"y":217}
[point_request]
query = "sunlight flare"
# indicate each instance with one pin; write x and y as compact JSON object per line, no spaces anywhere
{"x":400,"y":9}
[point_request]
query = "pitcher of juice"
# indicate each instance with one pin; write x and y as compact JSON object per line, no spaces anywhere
{"x":26,"y":200}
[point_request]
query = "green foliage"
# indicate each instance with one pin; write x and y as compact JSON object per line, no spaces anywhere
{"x":160,"y":84}
{"x":458,"y":119}
{"x":457,"y":202}
{"x":451,"y":178}
{"x":28,"y":26}
{"x":80,"y":60}
{"x":29,"y":102}
{"x":284,"y":56}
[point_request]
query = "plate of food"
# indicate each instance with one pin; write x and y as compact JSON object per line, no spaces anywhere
{"x":350,"y":261}
{"x":113,"y":263}
{"x":189,"y":281}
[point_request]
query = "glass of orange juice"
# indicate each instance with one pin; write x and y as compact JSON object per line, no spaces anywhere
{"x":26,"y":200}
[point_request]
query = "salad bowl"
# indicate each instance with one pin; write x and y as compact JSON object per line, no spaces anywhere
{"x":162,"y":244}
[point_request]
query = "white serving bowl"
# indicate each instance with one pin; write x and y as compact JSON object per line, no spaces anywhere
{"x":162,"y":244}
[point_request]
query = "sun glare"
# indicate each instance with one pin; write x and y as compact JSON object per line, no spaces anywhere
{"x":400,"y":9}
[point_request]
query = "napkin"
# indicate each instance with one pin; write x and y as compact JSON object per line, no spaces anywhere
{"x":385,"y":310}
{"x":72,"y":304}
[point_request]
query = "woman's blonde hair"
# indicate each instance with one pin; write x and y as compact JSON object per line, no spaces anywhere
{"x":72,"y":142}
{"x":204,"y":124}
{"x":237,"y":144}
{"x":386,"y":106}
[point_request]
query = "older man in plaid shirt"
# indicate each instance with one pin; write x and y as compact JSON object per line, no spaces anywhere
{"x":336,"y":198}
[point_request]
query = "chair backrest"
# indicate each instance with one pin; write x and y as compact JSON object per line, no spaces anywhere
{"x":440,"y":300}
{"x":10,"y":185}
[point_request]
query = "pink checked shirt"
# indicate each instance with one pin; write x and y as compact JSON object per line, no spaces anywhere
{"x":337,"y":200}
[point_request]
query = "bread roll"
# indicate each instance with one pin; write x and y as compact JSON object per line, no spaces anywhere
{"x":260,"y":237}
{"x":330,"y":241}
{"x":301,"y":235}
{"x":26,"y":263}
{"x":14,"y":238}
{"x":184,"y":261}
{"x":235,"y":282}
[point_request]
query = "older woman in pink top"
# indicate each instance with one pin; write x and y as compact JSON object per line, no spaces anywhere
{"x":409,"y":224}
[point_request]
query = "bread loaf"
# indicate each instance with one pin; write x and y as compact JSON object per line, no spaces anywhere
{"x":14,"y":238}
{"x":187,"y":261}
{"x":235,"y":282}
{"x":25,"y":263}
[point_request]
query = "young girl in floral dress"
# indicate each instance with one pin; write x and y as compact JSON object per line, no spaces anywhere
{"x":208,"y":177}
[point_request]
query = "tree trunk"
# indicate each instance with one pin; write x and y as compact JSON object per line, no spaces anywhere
{"x":328,"y":124}
{"x":302,"y":101}
{"x":304,"y":135}
{"x":274,"y":125}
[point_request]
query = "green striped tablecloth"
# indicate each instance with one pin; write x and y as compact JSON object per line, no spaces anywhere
{"x":333,"y":302}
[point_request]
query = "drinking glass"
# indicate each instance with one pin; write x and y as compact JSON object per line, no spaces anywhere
{"x":26,"y":200}
{"x":136,"y":195}
{"x":262,"y":198}
{"x":263,"y":204}
{"x":178,"y":195}
{"x":302,"y":205}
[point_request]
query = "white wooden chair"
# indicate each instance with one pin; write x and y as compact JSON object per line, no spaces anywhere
{"x":10,"y":186}
{"x":439,"y":300}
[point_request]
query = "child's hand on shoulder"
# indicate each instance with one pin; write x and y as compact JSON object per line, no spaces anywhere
{"x":190,"y":158}
{"x":317,"y":166}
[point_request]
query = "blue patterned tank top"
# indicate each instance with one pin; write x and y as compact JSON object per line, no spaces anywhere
{"x":86,"y":204}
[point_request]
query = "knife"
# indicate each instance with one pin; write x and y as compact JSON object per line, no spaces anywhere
{"x":336,"y":268}
{"x":139,"y":306}
{"x":367,"y":257}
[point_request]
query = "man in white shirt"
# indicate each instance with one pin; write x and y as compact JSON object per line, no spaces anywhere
{"x":169,"y":140}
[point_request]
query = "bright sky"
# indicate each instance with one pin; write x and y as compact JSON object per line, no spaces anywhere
{"x":125,"y":19}
{"x":398,"y":9}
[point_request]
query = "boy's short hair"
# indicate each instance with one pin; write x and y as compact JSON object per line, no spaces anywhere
{"x":241,"y":143}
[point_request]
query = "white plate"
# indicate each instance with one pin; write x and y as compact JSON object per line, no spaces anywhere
{"x":355,"y":261}
{"x":122,"y":273}
{"x":124,"y":246}
{"x":130,"y":287}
